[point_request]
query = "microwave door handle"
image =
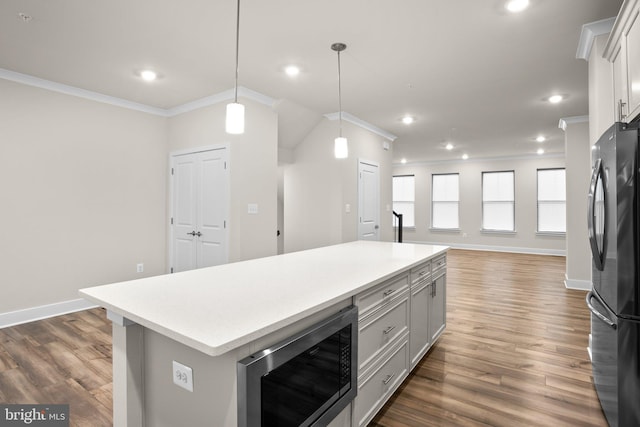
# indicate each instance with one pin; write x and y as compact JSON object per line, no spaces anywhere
{"x":593,"y":243}
{"x":599,"y":315}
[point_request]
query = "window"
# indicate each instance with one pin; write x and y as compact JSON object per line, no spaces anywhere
{"x":404,"y":198}
{"x":498,"y":201}
{"x":445,"y":200}
{"x":552,"y":201}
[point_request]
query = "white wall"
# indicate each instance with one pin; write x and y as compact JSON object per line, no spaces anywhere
{"x":317,"y":187}
{"x":470,"y":210}
{"x":83,"y":188}
{"x":253,"y":173}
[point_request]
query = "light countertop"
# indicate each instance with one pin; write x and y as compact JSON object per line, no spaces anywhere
{"x":218,"y":309}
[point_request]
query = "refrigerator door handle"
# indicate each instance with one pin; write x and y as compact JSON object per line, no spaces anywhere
{"x":593,"y":242}
{"x":599,"y":315}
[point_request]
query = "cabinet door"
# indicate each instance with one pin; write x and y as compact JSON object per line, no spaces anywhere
{"x":633,"y":67}
{"x":437,"y":310}
{"x":620,"y":85}
{"x":420,"y":332}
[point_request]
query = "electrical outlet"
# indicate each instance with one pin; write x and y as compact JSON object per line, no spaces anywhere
{"x":140,"y":268}
{"x":183,"y":376}
{"x":252,"y":208}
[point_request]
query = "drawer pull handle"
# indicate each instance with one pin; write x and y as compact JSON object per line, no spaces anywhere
{"x":422,"y":273}
{"x":388,"y":292}
{"x":386,"y":380}
{"x":388,"y":330}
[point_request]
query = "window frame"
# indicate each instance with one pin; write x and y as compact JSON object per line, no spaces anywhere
{"x":548,"y":232}
{"x":432,"y":227}
{"x":413,"y":202}
{"x":513,"y":202}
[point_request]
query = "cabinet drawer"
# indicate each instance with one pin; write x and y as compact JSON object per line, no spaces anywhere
{"x":438,"y":264}
{"x":420,"y":273}
{"x":381,"y":294}
{"x":379,"y":330}
{"x":379,"y":383}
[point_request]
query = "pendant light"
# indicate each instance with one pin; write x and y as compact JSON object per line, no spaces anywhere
{"x":340,"y":148}
{"x":235,"y":111}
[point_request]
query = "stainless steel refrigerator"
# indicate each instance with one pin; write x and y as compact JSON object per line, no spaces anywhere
{"x":614,"y":236}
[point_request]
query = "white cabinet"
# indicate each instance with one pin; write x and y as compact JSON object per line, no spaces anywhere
{"x":623,"y":51}
{"x":398,"y":322}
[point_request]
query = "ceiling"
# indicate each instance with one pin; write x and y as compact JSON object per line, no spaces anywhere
{"x":470,"y":72}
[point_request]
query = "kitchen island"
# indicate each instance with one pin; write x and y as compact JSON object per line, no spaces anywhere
{"x":210,"y":318}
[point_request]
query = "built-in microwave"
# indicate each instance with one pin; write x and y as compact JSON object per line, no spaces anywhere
{"x":305,"y":380}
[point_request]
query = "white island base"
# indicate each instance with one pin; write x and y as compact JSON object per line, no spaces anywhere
{"x":211,"y":318}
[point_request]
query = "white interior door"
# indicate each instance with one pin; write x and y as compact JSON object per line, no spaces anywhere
{"x":200,"y":206}
{"x":368,"y":201}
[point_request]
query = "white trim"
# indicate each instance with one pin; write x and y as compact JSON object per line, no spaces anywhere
{"x":361,"y":123}
{"x":119,"y":102}
{"x":217,"y":98}
{"x":481,"y":159}
{"x":80,"y":93}
{"x":488,"y":248}
{"x":564,"y":122}
{"x":583,"y":285}
{"x":32,"y":314}
{"x":588,"y":34}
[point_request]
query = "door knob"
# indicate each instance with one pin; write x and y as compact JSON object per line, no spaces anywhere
{"x":193,"y":233}
{"x":198,"y":234}
{"x":377,"y":226}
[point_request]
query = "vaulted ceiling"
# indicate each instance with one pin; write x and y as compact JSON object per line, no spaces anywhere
{"x":469,"y":72}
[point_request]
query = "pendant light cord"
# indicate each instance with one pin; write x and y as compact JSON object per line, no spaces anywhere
{"x":238,"y":49}
{"x":339,"y":96}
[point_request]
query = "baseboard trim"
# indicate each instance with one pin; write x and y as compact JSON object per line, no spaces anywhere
{"x":32,"y":314}
{"x":517,"y":250}
{"x":582,"y":285}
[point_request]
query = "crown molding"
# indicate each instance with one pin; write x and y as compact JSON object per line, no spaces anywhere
{"x":564,"y":122}
{"x":361,"y":123}
{"x":119,"y":102}
{"x":588,"y":34}
{"x":482,"y":159}
{"x":77,"y":92}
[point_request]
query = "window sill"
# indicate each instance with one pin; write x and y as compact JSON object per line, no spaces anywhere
{"x":444,"y":230}
{"x":551,"y":233}
{"x":411,"y":228}
{"x":504,"y":232}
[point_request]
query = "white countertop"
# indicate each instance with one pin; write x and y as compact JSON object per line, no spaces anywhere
{"x":220,"y":308}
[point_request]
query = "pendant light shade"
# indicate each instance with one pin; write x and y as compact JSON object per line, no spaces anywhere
{"x":235,"y":118}
{"x":340,"y":147}
{"x":235,"y":111}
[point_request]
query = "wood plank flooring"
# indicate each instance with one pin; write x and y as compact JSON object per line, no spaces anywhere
{"x":514,"y":354}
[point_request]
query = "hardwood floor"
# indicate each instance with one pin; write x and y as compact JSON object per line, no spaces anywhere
{"x":514,"y":354}
{"x":65,"y":360}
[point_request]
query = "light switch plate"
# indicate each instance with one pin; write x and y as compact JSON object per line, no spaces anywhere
{"x":183,"y":376}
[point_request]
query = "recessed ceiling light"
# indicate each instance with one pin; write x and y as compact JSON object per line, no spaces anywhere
{"x":515,"y":6}
{"x":554,"y":99}
{"x":292,"y":70}
{"x":449,"y":146}
{"x":540,"y":151}
{"x":407,"y":120}
{"x":465,"y":156}
{"x":403,"y":161}
{"x":541,"y":139}
{"x":148,"y":75}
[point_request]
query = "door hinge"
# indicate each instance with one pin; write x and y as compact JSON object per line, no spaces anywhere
{"x":171,"y":221}
{"x":172,"y":269}
{"x":224,"y":224}
{"x":171,"y":171}
{"x":225,"y":165}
